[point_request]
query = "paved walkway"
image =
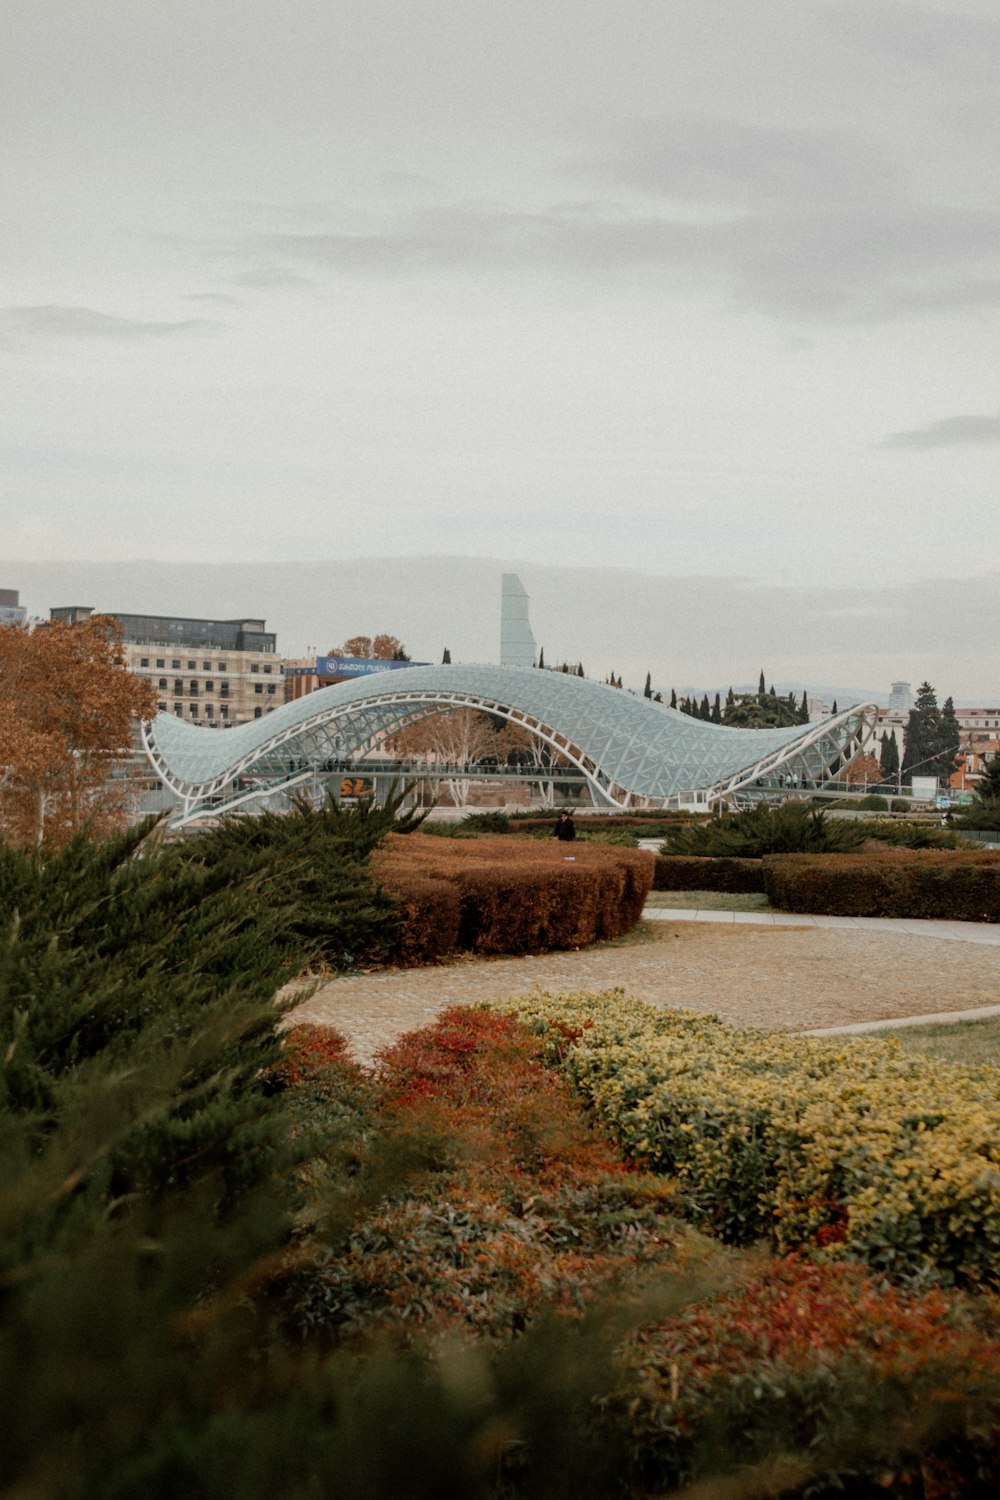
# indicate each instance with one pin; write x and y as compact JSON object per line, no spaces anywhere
{"x":754,"y":969}
{"x":956,"y":932}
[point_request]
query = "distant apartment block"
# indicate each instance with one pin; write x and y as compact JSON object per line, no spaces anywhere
{"x":211,"y":672}
{"x":12,"y":611}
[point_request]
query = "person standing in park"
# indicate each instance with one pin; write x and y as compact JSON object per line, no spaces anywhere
{"x":565,"y":829}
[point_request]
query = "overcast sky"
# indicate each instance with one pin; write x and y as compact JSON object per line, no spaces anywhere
{"x":692,"y":286}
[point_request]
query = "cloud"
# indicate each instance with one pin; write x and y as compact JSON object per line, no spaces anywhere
{"x":949,"y":432}
{"x":867,"y":262}
{"x":702,"y":159}
{"x":958,"y":46}
{"x":54,"y":320}
{"x":220,"y":299}
{"x":271,"y":279}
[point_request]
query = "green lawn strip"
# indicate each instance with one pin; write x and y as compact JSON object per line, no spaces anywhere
{"x":968,"y":1042}
{"x":709,"y":900}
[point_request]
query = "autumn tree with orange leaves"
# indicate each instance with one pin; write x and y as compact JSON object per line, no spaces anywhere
{"x":379,"y":647}
{"x":68,"y":705}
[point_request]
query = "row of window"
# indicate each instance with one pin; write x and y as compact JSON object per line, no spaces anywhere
{"x":209,"y":710}
{"x":192,"y":666}
{"x":208,"y":686}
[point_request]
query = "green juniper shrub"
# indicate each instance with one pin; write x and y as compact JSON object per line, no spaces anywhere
{"x":790,"y":829}
{"x":914,"y":834}
{"x":486,"y":822}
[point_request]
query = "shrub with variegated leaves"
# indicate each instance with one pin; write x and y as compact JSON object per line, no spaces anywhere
{"x":841,"y":1145}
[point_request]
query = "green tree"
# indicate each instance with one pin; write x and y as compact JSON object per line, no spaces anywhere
{"x":761,"y":686}
{"x":446,"y":658}
{"x":804,"y":708}
{"x":988,"y":789}
{"x":932,"y":737}
{"x":889,"y":756}
{"x":541,"y":656}
{"x":647,"y":691}
{"x":673,"y":697}
{"x":716,"y":711}
{"x":756,"y":711}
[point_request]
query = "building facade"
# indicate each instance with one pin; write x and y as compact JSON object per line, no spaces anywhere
{"x":12,"y":611}
{"x":211,"y":672}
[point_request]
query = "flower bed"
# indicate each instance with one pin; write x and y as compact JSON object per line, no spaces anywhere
{"x":843,"y":1146}
{"x":619,"y":1353}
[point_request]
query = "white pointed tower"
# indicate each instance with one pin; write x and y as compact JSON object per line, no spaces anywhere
{"x":517,"y":644}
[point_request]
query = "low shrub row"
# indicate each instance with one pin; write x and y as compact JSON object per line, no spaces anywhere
{"x":681,"y":872}
{"x":492,"y":895}
{"x":954,"y":885}
{"x":843,"y":1146}
{"x":652,"y":826}
{"x":791,"y":828}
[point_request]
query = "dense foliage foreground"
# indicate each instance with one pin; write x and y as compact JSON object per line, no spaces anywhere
{"x":239,"y":1265}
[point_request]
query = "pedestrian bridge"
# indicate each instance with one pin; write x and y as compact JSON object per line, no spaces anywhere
{"x":632,"y":752}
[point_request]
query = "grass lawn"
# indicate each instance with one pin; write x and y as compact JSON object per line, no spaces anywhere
{"x":967,"y":1042}
{"x":710,"y":900}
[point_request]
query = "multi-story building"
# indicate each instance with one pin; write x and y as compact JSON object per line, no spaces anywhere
{"x":211,"y":672}
{"x":12,"y":611}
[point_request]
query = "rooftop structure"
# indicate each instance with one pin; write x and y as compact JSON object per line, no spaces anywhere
{"x":12,"y":611}
{"x":632,"y":752}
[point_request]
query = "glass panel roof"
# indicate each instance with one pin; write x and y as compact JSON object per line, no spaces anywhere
{"x":642,"y":746}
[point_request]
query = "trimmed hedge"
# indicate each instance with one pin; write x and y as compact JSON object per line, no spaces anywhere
{"x":961,"y":886}
{"x":508,"y":897}
{"x":690,"y":872}
{"x":842,"y":1146}
{"x":652,"y":826}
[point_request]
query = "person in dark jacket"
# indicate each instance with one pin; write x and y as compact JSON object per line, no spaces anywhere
{"x":565,"y":829}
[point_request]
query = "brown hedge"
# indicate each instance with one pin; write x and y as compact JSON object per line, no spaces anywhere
{"x":695,"y":872}
{"x":954,"y":885}
{"x":635,"y":824}
{"x":508,"y":897}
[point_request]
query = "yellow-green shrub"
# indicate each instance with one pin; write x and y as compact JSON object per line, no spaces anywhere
{"x":841,"y":1145}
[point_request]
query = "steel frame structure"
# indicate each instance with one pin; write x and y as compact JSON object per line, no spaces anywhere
{"x":632,"y":752}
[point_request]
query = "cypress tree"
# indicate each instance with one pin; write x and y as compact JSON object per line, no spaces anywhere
{"x":932,"y":737}
{"x":705,"y":711}
{"x":647,"y":691}
{"x":889,"y":756}
{"x":673,"y":697}
{"x":804,"y":709}
{"x":446,"y":658}
{"x":717,"y":711}
{"x":761,"y":688}
{"x":951,"y":739}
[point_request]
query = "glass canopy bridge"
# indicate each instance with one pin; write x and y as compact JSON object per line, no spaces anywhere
{"x":630,"y":752}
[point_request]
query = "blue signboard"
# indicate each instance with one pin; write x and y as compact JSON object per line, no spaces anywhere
{"x":358,"y":666}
